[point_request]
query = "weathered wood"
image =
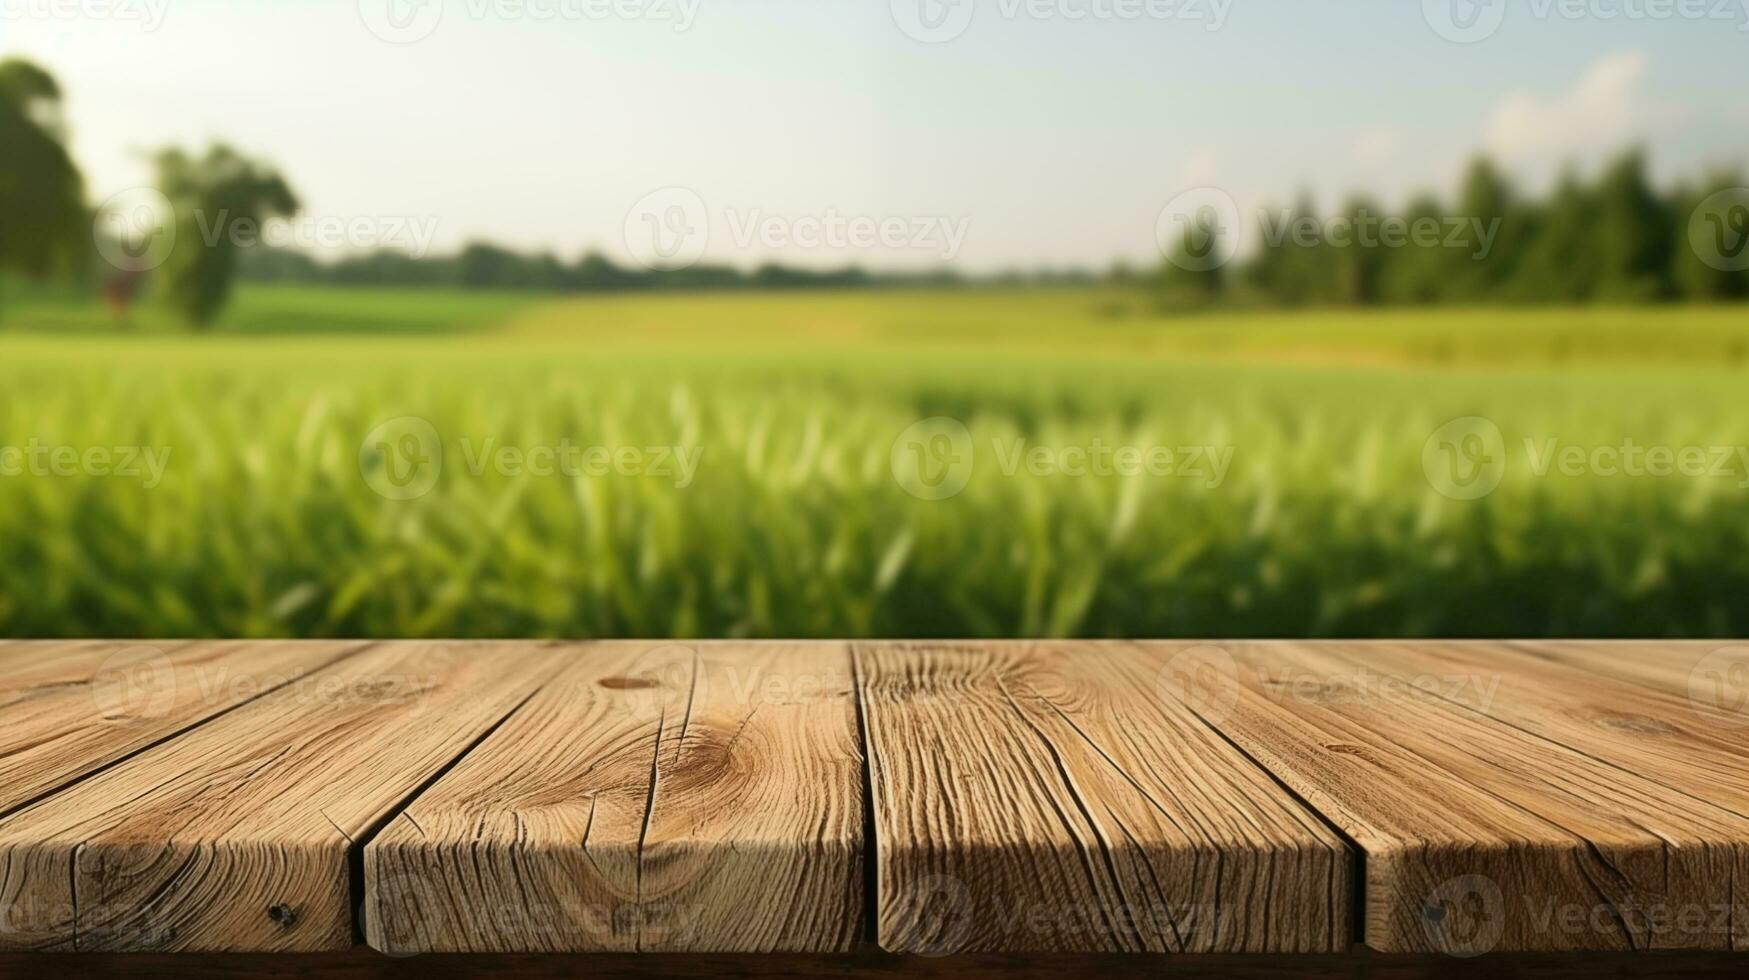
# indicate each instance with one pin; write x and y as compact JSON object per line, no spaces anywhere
{"x":67,"y":709}
{"x":703,"y":797}
{"x":1480,"y":834}
{"x":235,"y":835}
{"x":1712,"y":676}
{"x":1643,"y":729}
{"x":1360,"y":964}
{"x":1048,"y":797}
{"x":709,"y":798}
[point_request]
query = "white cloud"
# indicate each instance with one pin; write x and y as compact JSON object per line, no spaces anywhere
{"x":1608,"y":110}
{"x":1201,"y":168}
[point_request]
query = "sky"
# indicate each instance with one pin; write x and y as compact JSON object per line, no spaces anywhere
{"x":889,"y":133}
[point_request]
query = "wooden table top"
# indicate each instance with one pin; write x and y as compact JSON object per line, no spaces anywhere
{"x":921,"y":798}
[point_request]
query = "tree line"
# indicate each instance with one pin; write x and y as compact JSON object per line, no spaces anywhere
{"x":1613,"y":238}
{"x":484,"y":265}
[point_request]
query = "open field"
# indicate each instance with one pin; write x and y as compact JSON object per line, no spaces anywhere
{"x":1301,"y":497}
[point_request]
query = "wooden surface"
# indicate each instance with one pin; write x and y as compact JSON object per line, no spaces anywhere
{"x":364,"y":963}
{"x":237,"y":834}
{"x":70,"y":708}
{"x":1045,"y":797}
{"x":1481,"y":834}
{"x":1255,"y":803}
{"x":650,"y":798}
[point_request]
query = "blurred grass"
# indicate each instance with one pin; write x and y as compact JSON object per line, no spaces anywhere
{"x":795,"y":526}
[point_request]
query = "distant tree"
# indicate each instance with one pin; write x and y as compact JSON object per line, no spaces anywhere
{"x":1692,"y":278}
{"x":1635,"y":233}
{"x":1194,"y":275}
{"x":490,"y":266}
{"x":217,"y":198}
{"x":1486,"y":198}
{"x":1362,"y":258}
{"x":44,"y":226}
{"x":1418,"y":272}
{"x":1561,"y":262}
{"x":1292,"y":267}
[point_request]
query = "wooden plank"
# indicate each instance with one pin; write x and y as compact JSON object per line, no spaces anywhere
{"x":1481,"y":835}
{"x":1048,"y":797}
{"x":1649,"y":730}
{"x":1713,"y":676}
{"x":699,"y":798}
{"x":235,"y":836}
{"x":364,"y":963}
{"x":67,"y":709}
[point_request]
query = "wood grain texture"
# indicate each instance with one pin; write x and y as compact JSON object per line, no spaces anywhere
{"x":1640,"y":728}
{"x":1482,"y":833}
{"x":1045,"y":797}
{"x":1359,"y":964}
{"x":703,"y":797}
{"x":235,"y":835}
{"x":68,"y":708}
{"x":1713,"y":676}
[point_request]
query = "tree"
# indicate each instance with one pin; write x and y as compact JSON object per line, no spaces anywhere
{"x":1419,"y":273}
{"x":221,"y":201}
{"x":1561,"y":262}
{"x":1635,"y":233}
{"x":1693,"y":277}
{"x":1360,"y":255}
{"x":1294,"y":266}
{"x":1193,"y":276}
{"x":1487,"y":200}
{"x":43,"y":221}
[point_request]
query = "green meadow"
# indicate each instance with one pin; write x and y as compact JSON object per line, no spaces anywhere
{"x":383,"y":463}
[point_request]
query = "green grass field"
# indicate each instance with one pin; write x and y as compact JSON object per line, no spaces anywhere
{"x":269,"y":515}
